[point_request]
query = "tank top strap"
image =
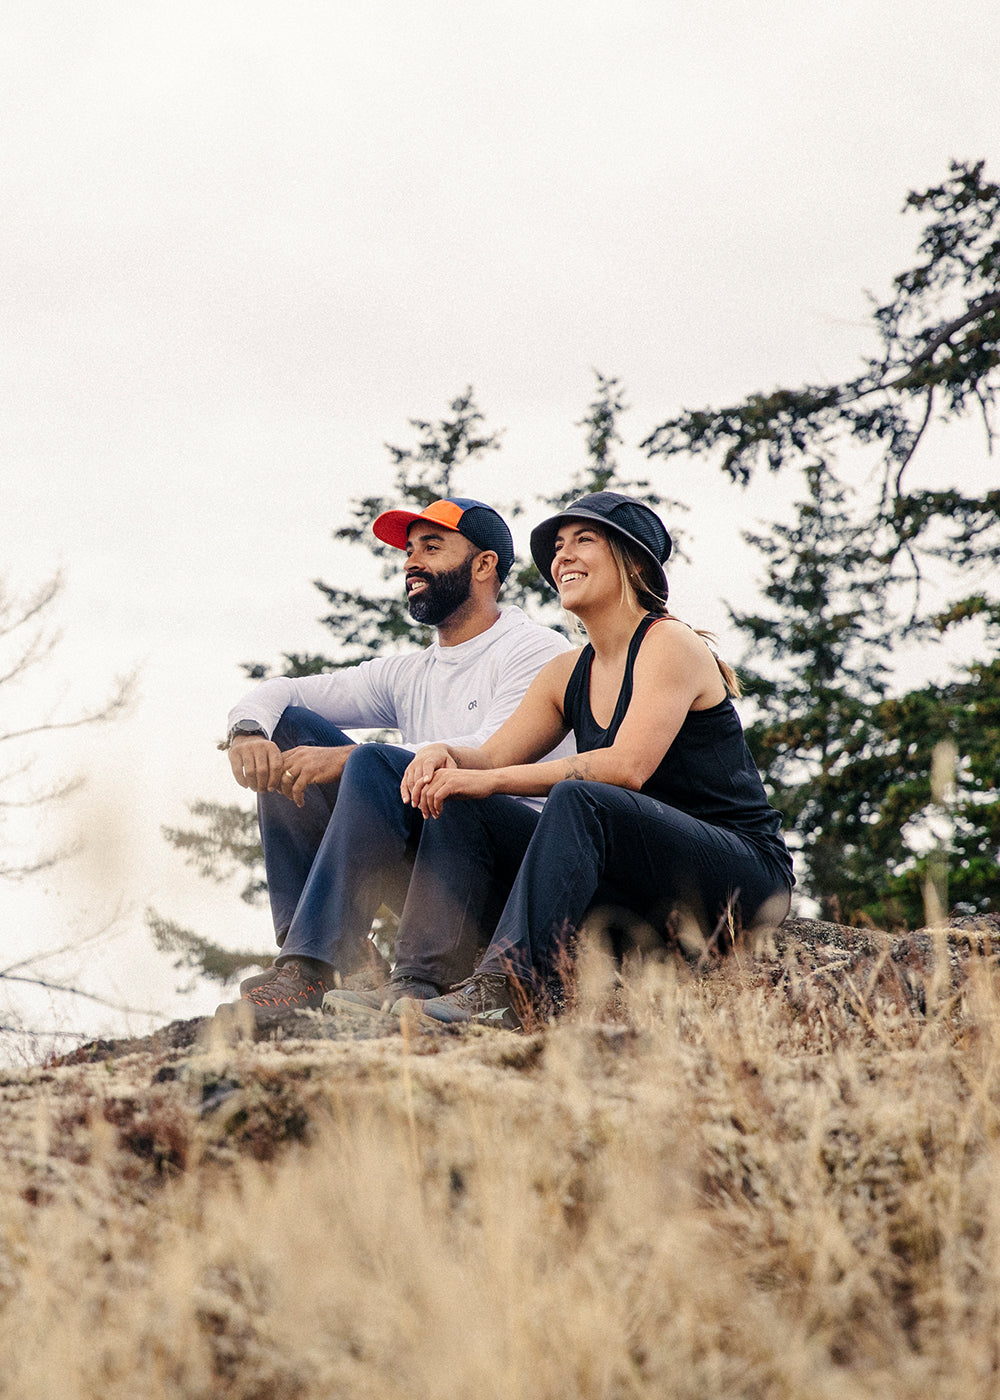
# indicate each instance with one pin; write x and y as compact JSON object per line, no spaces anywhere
{"x":576,"y":700}
{"x":625,"y":694}
{"x":578,"y":686}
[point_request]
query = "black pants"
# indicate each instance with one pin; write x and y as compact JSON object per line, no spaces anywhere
{"x":548,"y":869}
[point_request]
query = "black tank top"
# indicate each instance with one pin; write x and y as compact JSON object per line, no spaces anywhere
{"x":708,"y":771}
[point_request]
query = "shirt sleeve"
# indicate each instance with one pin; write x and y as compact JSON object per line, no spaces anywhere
{"x":353,"y":698}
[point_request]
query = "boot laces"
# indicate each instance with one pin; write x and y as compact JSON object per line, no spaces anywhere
{"x":286,"y":987}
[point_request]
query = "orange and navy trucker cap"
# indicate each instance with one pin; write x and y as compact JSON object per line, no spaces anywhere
{"x":477,"y":522}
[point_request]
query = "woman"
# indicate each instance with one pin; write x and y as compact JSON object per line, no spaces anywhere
{"x":662,"y":801}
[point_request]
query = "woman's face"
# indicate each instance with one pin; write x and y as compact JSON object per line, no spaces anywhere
{"x":583,"y":567}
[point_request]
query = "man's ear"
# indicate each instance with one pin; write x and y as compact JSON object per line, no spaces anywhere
{"x":486,"y":563}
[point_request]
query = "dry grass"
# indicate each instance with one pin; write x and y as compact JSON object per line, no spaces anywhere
{"x":739,"y":1184}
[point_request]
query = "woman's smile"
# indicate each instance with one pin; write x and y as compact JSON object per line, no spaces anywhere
{"x":570,"y":576}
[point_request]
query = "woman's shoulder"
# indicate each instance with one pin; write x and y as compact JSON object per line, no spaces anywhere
{"x":561,"y":667}
{"x":566,"y":661}
{"x":674,"y":646}
{"x":669,"y":633}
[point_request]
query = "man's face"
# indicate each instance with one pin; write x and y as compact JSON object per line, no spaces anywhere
{"x":438,"y":572}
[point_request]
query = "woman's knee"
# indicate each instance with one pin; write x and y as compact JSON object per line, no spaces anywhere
{"x":571,"y":821}
{"x":574,"y":800}
{"x":569,"y":794}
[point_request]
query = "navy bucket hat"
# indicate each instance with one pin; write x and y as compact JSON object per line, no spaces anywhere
{"x":624,"y":515}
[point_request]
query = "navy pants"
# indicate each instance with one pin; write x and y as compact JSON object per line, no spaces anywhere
{"x":351,"y":848}
{"x":591,"y":841}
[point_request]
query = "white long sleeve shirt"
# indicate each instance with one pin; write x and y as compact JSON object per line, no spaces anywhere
{"x":452,"y":695}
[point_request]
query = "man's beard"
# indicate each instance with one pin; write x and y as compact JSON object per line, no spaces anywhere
{"x":442,"y":595}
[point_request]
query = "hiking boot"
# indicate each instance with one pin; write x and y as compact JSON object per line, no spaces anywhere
{"x":256,"y":980}
{"x":290,"y":987}
{"x":483,"y":998}
{"x":380,"y":999}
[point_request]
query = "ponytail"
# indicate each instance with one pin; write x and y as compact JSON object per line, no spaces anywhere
{"x":729,"y":677}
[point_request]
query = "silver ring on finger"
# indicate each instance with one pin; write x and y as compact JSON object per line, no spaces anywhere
{"x":289,"y":775}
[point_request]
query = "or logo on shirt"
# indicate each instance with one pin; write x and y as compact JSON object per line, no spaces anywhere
{"x":473,"y":704}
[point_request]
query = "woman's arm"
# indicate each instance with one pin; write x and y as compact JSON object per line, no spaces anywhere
{"x":534,"y":729}
{"x":674,"y":673}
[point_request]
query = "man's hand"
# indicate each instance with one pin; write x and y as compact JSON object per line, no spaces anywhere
{"x":256,"y":762}
{"x":420,"y":771}
{"x":310,"y":764}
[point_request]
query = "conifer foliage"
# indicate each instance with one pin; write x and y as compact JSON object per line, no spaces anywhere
{"x":860,"y":575}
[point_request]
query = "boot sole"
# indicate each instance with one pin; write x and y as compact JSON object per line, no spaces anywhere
{"x":413,"y":1011}
{"x":334,"y":1006}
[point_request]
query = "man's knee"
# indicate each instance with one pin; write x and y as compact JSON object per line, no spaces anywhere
{"x":299,"y":726}
{"x":369,"y":793}
{"x":375,"y":762}
{"x":296,"y":726}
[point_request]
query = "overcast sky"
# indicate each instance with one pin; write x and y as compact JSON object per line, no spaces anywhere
{"x":243,"y":243}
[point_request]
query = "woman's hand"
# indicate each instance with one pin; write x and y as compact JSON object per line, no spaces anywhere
{"x":430,"y":760}
{"x":456,"y":782}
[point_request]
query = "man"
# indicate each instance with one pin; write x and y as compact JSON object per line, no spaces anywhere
{"x":338,"y":839}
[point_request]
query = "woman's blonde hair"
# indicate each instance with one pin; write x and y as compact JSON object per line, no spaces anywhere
{"x":644,"y":580}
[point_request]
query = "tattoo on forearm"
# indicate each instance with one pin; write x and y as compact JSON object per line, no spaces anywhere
{"x":579,"y":768}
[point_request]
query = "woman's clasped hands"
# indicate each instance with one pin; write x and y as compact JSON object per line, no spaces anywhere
{"x":434,"y":775}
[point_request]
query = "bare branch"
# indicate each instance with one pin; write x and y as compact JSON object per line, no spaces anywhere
{"x":21,"y":872}
{"x":118,"y":702}
{"x":31,"y":608}
{"x":52,"y":794}
{"x":34,"y":653}
{"x":73,"y":945}
{"x":76,"y":992}
{"x":910,"y":553}
{"x":984,"y":409}
{"x":44,"y":1035}
{"x":27,"y":650}
{"x":14,"y":773}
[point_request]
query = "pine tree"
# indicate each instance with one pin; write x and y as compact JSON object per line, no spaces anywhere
{"x":966,"y":712}
{"x":850,"y":762}
{"x":817,"y":666}
{"x":938,"y":359}
{"x":600,"y":471}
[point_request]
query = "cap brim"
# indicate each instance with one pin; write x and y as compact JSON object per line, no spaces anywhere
{"x":393,"y":526}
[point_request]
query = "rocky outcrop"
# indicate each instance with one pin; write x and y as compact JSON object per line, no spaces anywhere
{"x":800,"y":952}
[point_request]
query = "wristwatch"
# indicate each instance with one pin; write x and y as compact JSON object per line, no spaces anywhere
{"x":244,"y":726}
